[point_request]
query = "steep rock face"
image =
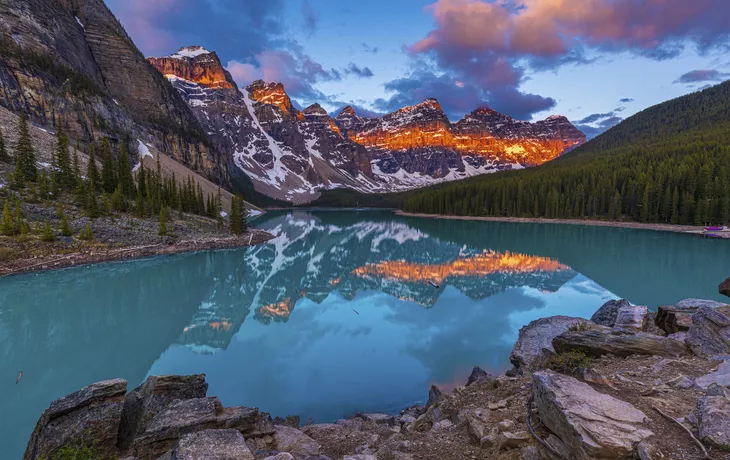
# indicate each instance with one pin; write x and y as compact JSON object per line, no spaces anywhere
{"x":196,"y":64}
{"x":72,"y":61}
{"x":293,"y":155}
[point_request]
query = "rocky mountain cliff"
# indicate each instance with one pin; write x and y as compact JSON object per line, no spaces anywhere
{"x":72,"y":61}
{"x":293,"y":155}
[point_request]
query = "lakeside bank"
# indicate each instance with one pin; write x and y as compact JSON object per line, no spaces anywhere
{"x":78,"y":255}
{"x":688,"y":229}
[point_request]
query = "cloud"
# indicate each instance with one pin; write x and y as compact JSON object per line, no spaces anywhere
{"x":230,"y":27}
{"x":359,"y":109}
{"x":310,"y":17}
{"x":357,"y":71}
{"x":491,"y":45}
{"x":597,"y":123}
{"x":249,"y":35}
{"x":293,"y":68}
{"x":698,"y":76}
{"x":369,"y":49}
{"x":626,"y":100}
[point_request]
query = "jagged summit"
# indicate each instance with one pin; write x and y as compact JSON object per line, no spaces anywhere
{"x":347,"y":111}
{"x":272,"y":94}
{"x":195,"y":64}
{"x":315,"y":109}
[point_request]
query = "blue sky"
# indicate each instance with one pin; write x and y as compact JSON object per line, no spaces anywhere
{"x":595,"y":61}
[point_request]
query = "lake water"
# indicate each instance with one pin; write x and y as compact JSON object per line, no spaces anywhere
{"x":342,"y":312}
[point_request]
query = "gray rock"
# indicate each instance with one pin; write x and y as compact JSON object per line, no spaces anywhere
{"x":281,"y":456}
{"x":714,"y":421}
{"x":157,"y":392}
{"x":710,"y":331}
{"x":191,"y":415}
{"x":632,"y":317}
{"x":681,"y":336}
{"x":478,"y":375}
{"x":606,"y":315}
{"x":212,"y":445}
{"x":476,"y":421}
{"x":725,"y":287}
{"x":359,"y":457}
{"x":530,"y":453}
{"x":646,"y":451}
{"x":592,"y":425}
{"x":435,"y":396}
{"x":603,"y":341}
{"x":290,"y":420}
{"x":676,"y":318}
{"x":720,"y":377}
{"x":538,"y":336}
{"x":90,"y":415}
{"x":294,"y":441}
{"x":513,"y":440}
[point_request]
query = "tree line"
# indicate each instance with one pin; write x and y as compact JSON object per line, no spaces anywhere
{"x":109,"y":185}
{"x":667,"y":164}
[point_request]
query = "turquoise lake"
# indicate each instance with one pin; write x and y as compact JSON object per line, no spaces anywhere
{"x":344,"y":311}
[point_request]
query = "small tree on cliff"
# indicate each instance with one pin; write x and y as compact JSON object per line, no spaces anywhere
{"x":48,"y":235}
{"x":162,"y":229}
{"x":7,"y":225}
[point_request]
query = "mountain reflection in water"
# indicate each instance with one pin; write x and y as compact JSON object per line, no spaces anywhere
{"x":337,"y":314}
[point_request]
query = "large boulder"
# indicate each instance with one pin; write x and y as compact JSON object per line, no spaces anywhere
{"x":607,"y":314}
{"x":212,"y":445}
{"x":592,"y":425}
{"x":678,"y":318}
{"x":156,"y":393}
{"x":633,"y":317}
{"x":710,"y":331}
{"x":725,"y":287}
{"x":538,"y":336}
{"x":87,"y":417}
{"x":476,"y":421}
{"x":294,"y":441}
{"x":191,"y":415}
{"x":713,"y":416}
{"x":618,"y":342}
{"x":721,"y":377}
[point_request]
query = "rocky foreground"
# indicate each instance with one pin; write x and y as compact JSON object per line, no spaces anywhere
{"x":627,"y":384}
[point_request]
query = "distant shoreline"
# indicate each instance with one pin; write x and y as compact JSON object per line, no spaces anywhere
{"x":688,"y":229}
{"x":100,"y":254}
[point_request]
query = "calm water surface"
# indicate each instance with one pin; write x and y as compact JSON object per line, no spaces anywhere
{"x":340,"y":313}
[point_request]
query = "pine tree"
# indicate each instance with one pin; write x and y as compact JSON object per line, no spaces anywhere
{"x":48,"y":235}
{"x":235,"y":217}
{"x":86,"y":233}
{"x":63,"y":161}
{"x":92,"y":206}
{"x":4,"y":157}
{"x":124,"y":171}
{"x":119,"y":201}
{"x":65,"y":227}
{"x":25,"y":165}
{"x":108,"y":175}
{"x":139,"y":208}
{"x":92,"y":172}
{"x":43,"y":186}
{"x":7,"y":225}
{"x":162,"y":229}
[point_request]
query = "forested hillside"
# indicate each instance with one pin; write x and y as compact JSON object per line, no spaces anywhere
{"x":669,"y":163}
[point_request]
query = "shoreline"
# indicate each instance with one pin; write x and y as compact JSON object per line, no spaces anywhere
{"x":686,"y":229}
{"x":96,"y":255}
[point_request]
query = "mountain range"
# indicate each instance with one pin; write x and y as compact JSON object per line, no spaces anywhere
{"x":293,"y":154}
{"x":72,"y":62}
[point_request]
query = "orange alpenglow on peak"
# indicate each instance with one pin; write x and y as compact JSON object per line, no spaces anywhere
{"x":271,"y":93}
{"x":196,"y":64}
{"x":484,"y":264}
